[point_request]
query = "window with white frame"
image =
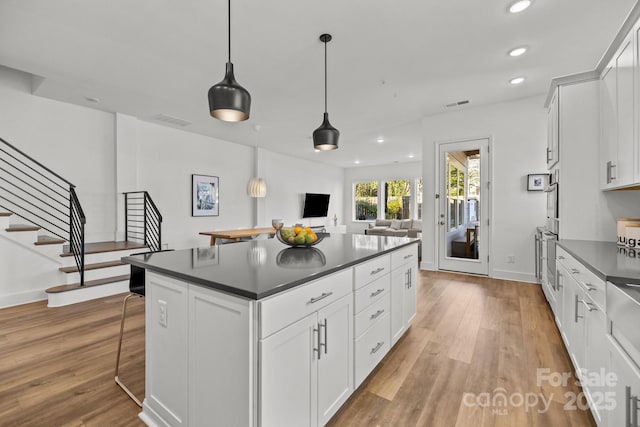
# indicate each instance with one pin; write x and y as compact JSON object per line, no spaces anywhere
{"x":389,"y":199}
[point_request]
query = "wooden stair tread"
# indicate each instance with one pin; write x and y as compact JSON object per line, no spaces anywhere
{"x":22,"y":227}
{"x":87,"y":283}
{"x":97,"y":265}
{"x":5,"y":214}
{"x":48,"y":240}
{"x":99,"y":247}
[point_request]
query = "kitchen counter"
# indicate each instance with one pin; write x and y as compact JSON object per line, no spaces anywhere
{"x":260,"y":268}
{"x":610,"y":262}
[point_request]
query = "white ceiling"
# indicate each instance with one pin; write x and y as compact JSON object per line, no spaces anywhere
{"x":390,"y":62}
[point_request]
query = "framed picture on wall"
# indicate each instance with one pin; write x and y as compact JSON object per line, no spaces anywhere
{"x":204,"y":195}
{"x":537,"y":181}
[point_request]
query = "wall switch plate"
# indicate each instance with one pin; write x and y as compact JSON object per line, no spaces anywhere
{"x":163,"y":313}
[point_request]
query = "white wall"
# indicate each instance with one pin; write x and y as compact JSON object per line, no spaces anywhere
{"x":410,"y":170}
{"x":75,"y":142}
{"x":518,"y":134}
{"x":288,"y":179}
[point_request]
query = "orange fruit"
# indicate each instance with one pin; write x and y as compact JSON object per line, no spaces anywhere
{"x":308,"y":230}
{"x":297,"y":230}
{"x":312,"y":234}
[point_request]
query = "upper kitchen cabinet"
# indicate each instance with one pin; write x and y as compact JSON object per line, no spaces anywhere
{"x":618,"y":141}
{"x":553,"y":131}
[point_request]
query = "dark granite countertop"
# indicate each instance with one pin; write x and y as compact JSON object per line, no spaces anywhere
{"x":610,"y":262}
{"x":261,"y":268}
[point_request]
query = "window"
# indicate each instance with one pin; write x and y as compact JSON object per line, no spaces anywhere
{"x":397,"y":199}
{"x":366,"y":201}
{"x":455,"y":194}
{"x":418,"y":198}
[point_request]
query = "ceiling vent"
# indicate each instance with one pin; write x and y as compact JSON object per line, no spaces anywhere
{"x":171,"y":120}
{"x":457,"y":104}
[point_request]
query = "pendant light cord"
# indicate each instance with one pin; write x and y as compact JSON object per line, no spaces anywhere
{"x":325,"y":76}
{"x":229,"y":29}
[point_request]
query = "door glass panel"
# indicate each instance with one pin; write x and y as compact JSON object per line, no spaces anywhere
{"x":463,"y":204}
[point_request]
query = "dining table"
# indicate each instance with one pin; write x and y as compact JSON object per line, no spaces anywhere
{"x":237,"y":233}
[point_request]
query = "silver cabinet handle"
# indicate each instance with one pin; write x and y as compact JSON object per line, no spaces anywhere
{"x":321,"y":297}
{"x":321,"y":344}
{"x":627,"y":407}
{"x":590,"y":287}
{"x":377,"y":270}
{"x":548,"y":152}
{"x":376,"y":314}
{"x":408,"y":256}
{"x":560,"y":257}
{"x":613,"y":177}
{"x":409,"y":280}
{"x":589,"y":306}
{"x":575,"y":307}
{"x":558,"y":282}
{"x":378,"y":346}
{"x":316,"y":332}
{"x":575,"y":271}
{"x":376,"y":293}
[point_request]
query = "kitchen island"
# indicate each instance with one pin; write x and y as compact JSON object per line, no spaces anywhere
{"x":256,"y":333}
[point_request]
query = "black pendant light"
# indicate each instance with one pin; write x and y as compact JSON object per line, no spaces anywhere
{"x":228,"y":101}
{"x":326,"y":136}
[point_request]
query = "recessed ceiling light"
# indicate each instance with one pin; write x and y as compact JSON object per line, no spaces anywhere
{"x":516,"y":80}
{"x":380,"y":140}
{"x":519,"y":6}
{"x":517,"y":51}
{"x":411,"y":156}
{"x":357,"y":162}
{"x":316,"y":150}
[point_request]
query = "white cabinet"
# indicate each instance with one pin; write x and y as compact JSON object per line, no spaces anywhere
{"x":404,"y":265}
{"x":306,"y":368}
{"x":553,"y":131}
{"x":625,"y":389}
{"x":617,"y":106}
{"x":596,"y":360}
{"x":573,"y":320}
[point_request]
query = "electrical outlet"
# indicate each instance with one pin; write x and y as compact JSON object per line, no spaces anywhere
{"x":163,"y":313}
{"x":511,"y":259}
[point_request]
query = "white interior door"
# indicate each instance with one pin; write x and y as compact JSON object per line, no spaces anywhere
{"x":463,"y":206}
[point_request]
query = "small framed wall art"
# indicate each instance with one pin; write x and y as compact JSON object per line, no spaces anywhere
{"x":537,"y":181}
{"x":204,"y":195}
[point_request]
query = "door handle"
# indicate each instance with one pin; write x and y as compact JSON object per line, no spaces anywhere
{"x":441,"y":222}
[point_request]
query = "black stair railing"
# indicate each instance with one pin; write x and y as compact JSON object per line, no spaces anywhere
{"x":143,"y":222}
{"x":33,"y":192}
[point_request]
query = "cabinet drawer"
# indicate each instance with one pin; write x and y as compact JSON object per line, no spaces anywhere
{"x":281,"y":310}
{"x":371,"y":270}
{"x":371,"y":293}
{"x":404,"y":256}
{"x":592,"y":284}
{"x":371,"y":347}
{"x":372,"y":314}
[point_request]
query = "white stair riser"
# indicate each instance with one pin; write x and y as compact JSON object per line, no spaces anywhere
{"x":23,"y":237}
{"x":92,"y":292}
{"x":4,"y":222}
{"x":99,"y":273}
{"x":69,"y":261}
{"x":52,"y":251}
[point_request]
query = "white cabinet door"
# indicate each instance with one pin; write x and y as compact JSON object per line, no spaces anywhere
{"x":596,"y":361}
{"x":403,"y":299}
{"x":626,"y":390}
{"x":625,"y":113}
{"x":288,"y":375}
{"x":409,"y":295}
{"x":398,"y":285}
{"x":609,"y":127}
{"x":553,"y":131}
{"x":573,"y":320}
{"x":335,"y":364}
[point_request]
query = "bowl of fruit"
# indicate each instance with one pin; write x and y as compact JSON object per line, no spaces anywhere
{"x":299,"y":237}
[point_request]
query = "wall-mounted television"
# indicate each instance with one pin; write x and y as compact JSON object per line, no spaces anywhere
{"x":315,"y":205}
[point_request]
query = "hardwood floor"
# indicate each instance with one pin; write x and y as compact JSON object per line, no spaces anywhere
{"x":473,"y":341}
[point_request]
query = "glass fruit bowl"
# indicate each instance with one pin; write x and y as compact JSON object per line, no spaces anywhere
{"x":287,"y":235}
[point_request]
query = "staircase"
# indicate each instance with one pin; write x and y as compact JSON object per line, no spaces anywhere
{"x":42,"y":237}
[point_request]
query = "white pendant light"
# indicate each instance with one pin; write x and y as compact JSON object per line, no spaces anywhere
{"x":257,"y":187}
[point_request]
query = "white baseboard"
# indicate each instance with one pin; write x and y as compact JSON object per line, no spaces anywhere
{"x":424,"y":265}
{"x":22,"y":298}
{"x":60,"y":299}
{"x":513,"y":275}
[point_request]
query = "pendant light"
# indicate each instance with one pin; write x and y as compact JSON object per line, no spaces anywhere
{"x":326,"y":136}
{"x":228,"y":101}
